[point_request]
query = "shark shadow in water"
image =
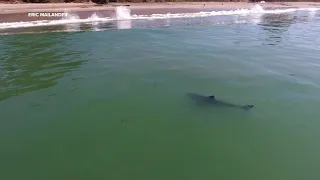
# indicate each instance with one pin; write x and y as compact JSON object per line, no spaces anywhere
{"x":211,"y":100}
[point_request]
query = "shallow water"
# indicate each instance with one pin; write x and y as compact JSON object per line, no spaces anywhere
{"x":113,"y":104}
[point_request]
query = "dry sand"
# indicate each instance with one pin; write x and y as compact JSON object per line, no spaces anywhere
{"x":18,"y":12}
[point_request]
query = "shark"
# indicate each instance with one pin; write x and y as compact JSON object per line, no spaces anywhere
{"x":211,"y":100}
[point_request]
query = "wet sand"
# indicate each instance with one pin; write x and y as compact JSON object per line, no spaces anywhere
{"x":19,"y":12}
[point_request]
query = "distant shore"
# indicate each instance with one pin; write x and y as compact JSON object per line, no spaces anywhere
{"x":19,"y":12}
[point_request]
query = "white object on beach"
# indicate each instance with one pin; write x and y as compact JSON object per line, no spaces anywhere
{"x":262,"y":2}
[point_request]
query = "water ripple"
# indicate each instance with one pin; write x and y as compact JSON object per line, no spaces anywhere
{"x":30,"y":63}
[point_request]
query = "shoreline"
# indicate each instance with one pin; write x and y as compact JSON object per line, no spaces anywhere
{"x":19,"y":12}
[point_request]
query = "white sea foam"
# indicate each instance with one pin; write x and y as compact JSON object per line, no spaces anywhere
{"x":123,"y":13}
{"x":123,"y":17}
{"x":124,"y":24}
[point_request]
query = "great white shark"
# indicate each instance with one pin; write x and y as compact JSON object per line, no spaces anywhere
{"x":211,"y":100}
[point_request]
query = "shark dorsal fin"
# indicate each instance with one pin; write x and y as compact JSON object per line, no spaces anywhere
{"x":212,"y":97}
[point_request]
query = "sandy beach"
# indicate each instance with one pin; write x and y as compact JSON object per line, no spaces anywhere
{"x":19,"y":12}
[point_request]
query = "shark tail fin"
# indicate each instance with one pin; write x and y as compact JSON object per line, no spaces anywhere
{"x":247,"y":107}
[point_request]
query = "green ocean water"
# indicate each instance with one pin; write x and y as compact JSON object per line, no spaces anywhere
{"x":113,"y":105}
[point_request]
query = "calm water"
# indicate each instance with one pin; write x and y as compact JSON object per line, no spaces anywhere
{"x":112,"y":104}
